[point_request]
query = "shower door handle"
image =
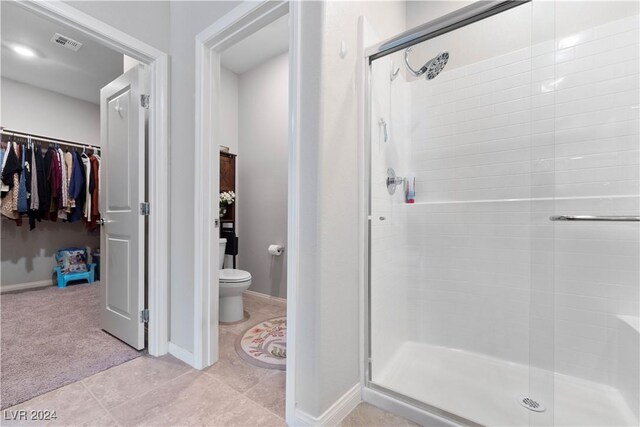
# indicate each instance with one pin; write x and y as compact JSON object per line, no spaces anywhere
{"x":593,"y":218}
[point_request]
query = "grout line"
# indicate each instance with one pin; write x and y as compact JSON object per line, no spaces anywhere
{"x":263,"y":378}
{"x":243,"y":394}
{"x":100,"y":403}
{"x":260,"y":405}
{"x":161,"y":385}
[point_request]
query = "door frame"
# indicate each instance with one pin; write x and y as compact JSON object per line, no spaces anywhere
{"x":246,"y":18}
{"x":158,"y":171}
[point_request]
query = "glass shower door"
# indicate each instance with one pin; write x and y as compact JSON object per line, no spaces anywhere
{"x":450,"y":271}
{"x":495,"y":297}
{"x":596,"y":252}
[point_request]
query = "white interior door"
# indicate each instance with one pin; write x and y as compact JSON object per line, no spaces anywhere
{"x":122,"y":122}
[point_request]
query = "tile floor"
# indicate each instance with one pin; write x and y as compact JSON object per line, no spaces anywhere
{"x":166,"y":392}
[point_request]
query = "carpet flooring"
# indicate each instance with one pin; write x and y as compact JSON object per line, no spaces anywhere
{"x":51,"y":337}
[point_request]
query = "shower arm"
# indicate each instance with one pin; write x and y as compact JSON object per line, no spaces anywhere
{"x":418,"y":73}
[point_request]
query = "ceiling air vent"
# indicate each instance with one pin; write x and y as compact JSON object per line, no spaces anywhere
{"x":61,"y":40}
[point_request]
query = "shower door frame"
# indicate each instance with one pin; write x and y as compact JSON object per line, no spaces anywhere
{"x":387,"y":399}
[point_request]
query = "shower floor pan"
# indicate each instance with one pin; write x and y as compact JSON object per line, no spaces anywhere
{"x":488,"y":391}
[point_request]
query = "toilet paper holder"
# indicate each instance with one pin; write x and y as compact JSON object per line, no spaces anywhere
{"x":276,"y":250}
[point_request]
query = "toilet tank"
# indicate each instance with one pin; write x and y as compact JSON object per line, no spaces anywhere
{"x":223,"y":244}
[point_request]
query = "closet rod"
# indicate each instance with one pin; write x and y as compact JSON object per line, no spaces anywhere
{"x":48,"y":139}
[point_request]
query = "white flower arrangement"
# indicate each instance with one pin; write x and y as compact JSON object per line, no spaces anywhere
{"x":226,"y":199}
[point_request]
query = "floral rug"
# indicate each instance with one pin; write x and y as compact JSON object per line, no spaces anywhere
{"x":265,"y":344}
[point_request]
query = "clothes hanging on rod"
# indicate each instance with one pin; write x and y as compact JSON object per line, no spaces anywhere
{"x":50,"y":184}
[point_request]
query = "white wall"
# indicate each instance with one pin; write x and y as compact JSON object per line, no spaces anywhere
{"x":229,"y":109}
{"x":27,"y":256}
{"x":187,"y":19}
{"x":327,"y":346}
{"x":42,"y":112}
{"x":262,"y":168}
{"x":145,"y":20}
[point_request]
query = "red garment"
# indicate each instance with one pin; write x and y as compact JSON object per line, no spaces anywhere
{"x":55,"y":184}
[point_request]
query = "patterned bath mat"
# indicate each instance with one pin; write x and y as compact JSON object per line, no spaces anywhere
{"x":265,"y":344}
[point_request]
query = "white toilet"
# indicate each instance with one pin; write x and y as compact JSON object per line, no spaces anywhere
{"x":232,"y":283}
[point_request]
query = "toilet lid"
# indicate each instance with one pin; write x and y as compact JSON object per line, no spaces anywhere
{"x":233,"y":275}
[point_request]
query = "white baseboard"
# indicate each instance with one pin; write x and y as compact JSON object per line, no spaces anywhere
{"x":181,"y":354}
{"x":273,"y":300}
{"x":336,"y":412}
{"x":28,"y":285}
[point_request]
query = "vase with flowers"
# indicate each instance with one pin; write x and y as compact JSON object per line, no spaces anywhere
{"x":226,"y":199}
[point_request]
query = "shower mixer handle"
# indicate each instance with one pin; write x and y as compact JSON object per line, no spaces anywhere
{"x":393,"y":180}
{"x":397,"y":180}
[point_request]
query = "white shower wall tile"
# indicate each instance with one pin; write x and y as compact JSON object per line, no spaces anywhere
{"x":497,"y":147}
{"x":393,"y":318}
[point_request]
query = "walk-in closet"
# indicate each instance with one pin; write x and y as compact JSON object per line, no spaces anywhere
{"x":52,"y":168}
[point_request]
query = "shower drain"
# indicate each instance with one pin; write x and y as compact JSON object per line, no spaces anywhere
{"x":531,"y":404}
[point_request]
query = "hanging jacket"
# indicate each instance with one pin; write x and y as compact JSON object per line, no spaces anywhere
{"x":45,"y":194}
{"x":11,"y":167}
{"x":63,"y":201}
{"x":77,"y":188}
{"x":2,"y":151}
{"x":32,"y":188}
{"x":11,"y":178}
{"x":68,"y":164}
{"x":9,"y":206}
{"x":4,"y":187}
{"x":53,"y":177}
{"x":37,"y":186}
{"x":88,"y":180}
{"x":35,"y":201}
{"x":23,"y":205}
{"x":94,"y":183}
{"x":27,"y":170}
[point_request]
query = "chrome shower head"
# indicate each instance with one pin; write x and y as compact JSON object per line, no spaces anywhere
{"x":431,"y":68}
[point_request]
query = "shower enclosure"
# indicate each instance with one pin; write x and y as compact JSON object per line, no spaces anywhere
{"x":505,"y":291}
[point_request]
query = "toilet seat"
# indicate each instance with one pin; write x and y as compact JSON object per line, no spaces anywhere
{"x":231,"y":275}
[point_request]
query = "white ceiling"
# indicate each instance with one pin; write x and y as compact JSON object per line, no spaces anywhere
{"x":260,"y":46}
{"x":78,"y":74}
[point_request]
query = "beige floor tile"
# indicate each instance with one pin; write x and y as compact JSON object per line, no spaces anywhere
{"x":103,"y":421}
{"x":237,"y":373}
{"x":270,"y":393}
{"x":255,"y":304}
{"x":227,"y":342}
{"x":244,"y":412}
{"x":73,"y":405}
{"x":131,"y":379}
{"x":165,"y":391}
{"x":366,"y":415}
{"x":256,"y":317}
{"x":192,"y":398}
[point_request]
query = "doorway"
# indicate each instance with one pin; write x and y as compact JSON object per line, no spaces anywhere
{"x":69,"y":125}
{"x":212,"y":51}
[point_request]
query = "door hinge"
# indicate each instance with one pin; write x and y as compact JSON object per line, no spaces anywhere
{"x":144,"y":101}
{"x":144,"y":316}
{"x":144,"y":208}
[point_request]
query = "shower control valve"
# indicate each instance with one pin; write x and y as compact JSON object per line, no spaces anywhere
{"x":393,"y":180}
